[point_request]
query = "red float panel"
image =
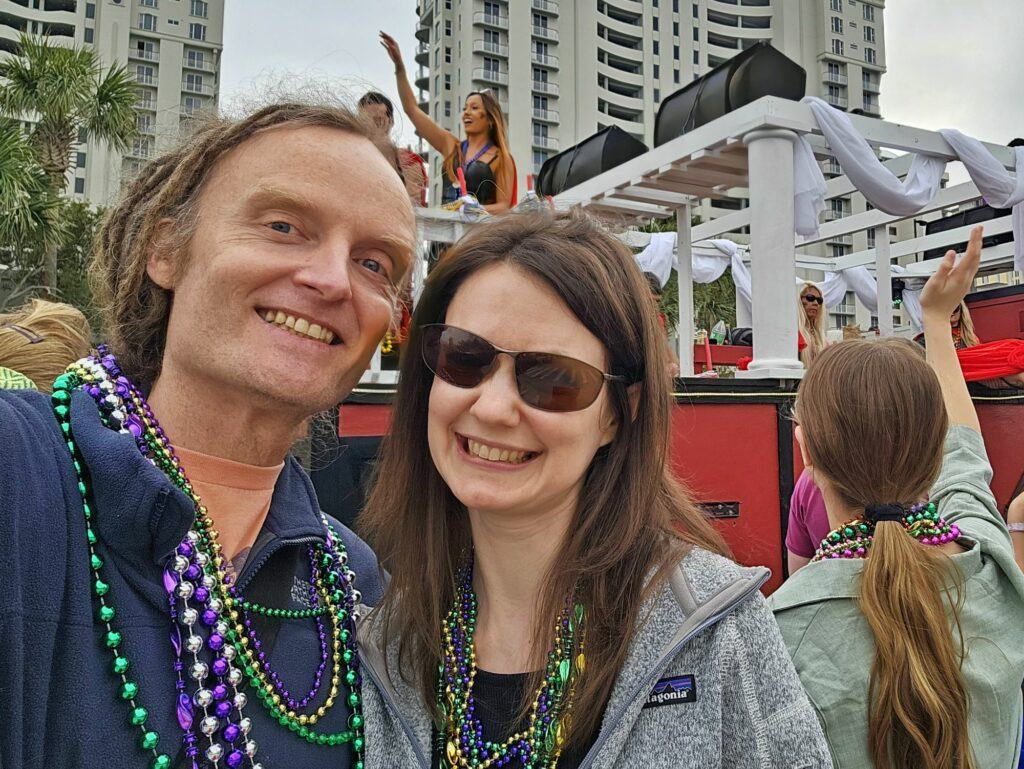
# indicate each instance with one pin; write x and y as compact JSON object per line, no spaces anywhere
{"x":1000,"y":317}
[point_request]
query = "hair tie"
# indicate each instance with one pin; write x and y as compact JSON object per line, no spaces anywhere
{"x":886,"y":512}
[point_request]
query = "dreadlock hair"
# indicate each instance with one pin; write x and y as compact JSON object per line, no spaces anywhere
{"x":135,"y":309}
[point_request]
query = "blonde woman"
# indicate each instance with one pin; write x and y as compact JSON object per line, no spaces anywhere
{"x":905,"y":627}
{"x":811,"y":321}
{"x":40,"y":339}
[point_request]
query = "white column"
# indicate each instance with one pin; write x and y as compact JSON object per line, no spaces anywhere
{"x":684,"y":273}
{"x":772,"y":255}
{"x":882,"y":275}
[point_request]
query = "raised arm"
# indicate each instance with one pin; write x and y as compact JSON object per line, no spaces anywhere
{"x":441,"y":140}
{"x":942,"y":293}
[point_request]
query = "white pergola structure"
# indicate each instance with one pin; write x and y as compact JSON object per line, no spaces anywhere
{"x":751,"y":149}
{"x":749,"y":153}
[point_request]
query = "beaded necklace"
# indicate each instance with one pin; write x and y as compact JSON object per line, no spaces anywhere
{"x":461,"y":742}
{"x":215,"y":645}
{"x":854,"y":538}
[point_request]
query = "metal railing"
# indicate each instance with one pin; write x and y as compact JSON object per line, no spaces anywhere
{"x":834,"y":77}
{"x":545,"y":32}
{"x":549,"y":6}
{"x":486,"y":46}
{"x":191,"y":87}
{"x":490,"y":20}
{"x":549,"y":115}
{"x":545,"y":142}
{"x":143,"y":79}
{"x":541,"y":86}
{"x":544,"y":59}
{"x":145,"y":55}
{"x":837,"y":101}
{"x":490,"y":76}
{"x":202,"y":65}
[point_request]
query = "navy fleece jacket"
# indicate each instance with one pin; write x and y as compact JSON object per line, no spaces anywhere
{"x":59,"y":699}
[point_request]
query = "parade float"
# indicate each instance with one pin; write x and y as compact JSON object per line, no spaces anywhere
{"x":733,"y":438}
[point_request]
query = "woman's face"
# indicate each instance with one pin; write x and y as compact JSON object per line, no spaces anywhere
{"x":515,"y":312}
{"x":474,"y":116}
{"x":808,"y":298}
{"x":954,"y":318}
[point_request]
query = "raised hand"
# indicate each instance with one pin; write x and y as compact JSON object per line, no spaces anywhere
{"x":391,"y":46}
{"x":952,"y":280}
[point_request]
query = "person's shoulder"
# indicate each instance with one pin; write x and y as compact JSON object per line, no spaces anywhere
{"x":25,"y":416}
{"x":363,"y":561}
{"x":707,"y":573}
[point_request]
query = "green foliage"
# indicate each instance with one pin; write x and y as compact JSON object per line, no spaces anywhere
{"x":74,"y":255}
{"x":28,"y":207}
{"x":712,"y":302}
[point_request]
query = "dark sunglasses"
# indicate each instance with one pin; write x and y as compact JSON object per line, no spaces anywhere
{"x":544,"y":380}
{"x":812,"y":298}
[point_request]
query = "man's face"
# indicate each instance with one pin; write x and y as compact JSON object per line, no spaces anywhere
{"x":289,"y":285}
{"x":378,"y":113}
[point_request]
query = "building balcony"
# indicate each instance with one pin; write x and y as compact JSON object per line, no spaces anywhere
{"x":142,"y":79}
{"x":143,"y":55}
{"x":845,"y":240}
{"x":836,"y":78}
{"x":547,"y":6}
{"x":491,"y":76}
{"x":544,"y":59}
{"x":423,"y":34}
{"x":148,"y":104}
{"x":146,"y":129}
{"x":545,"y":33}
{"x":831,"y":214}
{"x":425,"y":10}
{"x":490,"y":20}
{"x":203,"y":65}
{"x":545,"y":115}
{"x":872,"y":108}
{"x":870,"y":86}
{"x":541,"y":86}
{"x":422,"y":55}
{"x":140,"y":151}
{"x":837,"y":101}
{"x":831,"y":166}
{"x":494,"y":49}
{"x":203,"y":88}
{"x":545,"y":143}
{"x":423,"y":80}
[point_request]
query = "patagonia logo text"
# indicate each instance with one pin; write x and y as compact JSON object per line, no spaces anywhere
{"x":672,"y":691}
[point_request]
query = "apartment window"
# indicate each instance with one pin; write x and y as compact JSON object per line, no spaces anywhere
{"x":147,"y":3}
{"x":675,"y":29}
{"x":657,"y":95}
{"x":199,"y":8}
{"x":145,"y":74}
{"x":79,"y":186}
{"x":834,"y":70}
{"x":696,"y":12}
{"x":447,"y":27}
{"x":197,"y":31}
{"x":195,"y":59}
{"x":88,"y":34}
{"x":540,"y":131}
{"x":657,"y":71}
{"x":675,"y":53}
{"x":696,"y":60}
{"x":491,"y":8}
{"x":540,"y":20}
{"x":540,"y":75}
{"x":540,"y":102}
{"x":836,"y":5}
{"x":675,"y":76}
{"x":447,"y":108}
{"x":194,"y":82}
{"x":90,"y":10}
{"x":437,"y":89}
{"x":837,"y":25}
{"x":539,"y":158}
{"x":447,"y":5}
{"x":80,"y":160}
{"x":655,"y":23}
{"x":447,"y":82}
{"x":191,"y":104}
{"x":869,"y":55}
{"x":655,"y":47}
{"x":837,"y":47}
{"x":696,"y":34}
{"x":871,"y":238}
{"x":675,"y":6}
{"x":869,"y":34}
{"x":869,"y":12}
{"x":147,"y":21}
{"x":437,"y":58}
{"x":447,"y":55}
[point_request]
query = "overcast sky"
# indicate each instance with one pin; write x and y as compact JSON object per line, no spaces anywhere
{"x":951,"y":63}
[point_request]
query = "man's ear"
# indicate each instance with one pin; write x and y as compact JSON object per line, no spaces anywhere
{"x":161,"y":263}
{"x":611,"y":428}
{"x":799,"y":432}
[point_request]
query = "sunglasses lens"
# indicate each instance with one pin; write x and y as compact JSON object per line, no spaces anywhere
{"x":556,"y":383}
{"x":458,"y":357}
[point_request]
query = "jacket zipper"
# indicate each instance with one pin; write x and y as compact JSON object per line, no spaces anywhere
{"x":264,"y":554}
{"x":652,"y":676}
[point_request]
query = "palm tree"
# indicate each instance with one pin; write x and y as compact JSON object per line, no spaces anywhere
{"x":66,"y":93}
{"x":29,"y":209}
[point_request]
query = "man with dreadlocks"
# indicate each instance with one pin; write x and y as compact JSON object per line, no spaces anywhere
{"x":170,"y":593}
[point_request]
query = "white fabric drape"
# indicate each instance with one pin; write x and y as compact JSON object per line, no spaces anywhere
{"x":709,"y":258}
{"x":856,"y":279}
{"x":884,"y":190}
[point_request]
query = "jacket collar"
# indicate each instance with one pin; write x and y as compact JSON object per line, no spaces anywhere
{"x":142,"y":516}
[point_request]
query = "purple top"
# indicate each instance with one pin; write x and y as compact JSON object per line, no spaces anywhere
{"x":808,"y":521}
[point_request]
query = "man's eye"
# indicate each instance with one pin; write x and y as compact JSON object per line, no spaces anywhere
{"x":374,"y":266}
{"x":282,"y":227}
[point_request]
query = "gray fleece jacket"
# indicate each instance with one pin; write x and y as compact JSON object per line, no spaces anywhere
{"x":707,"y":683}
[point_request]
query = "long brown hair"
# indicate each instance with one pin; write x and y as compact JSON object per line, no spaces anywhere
{"x":968,"y":336}
{"x":633,"y":517}
{"x":135,"y":308}
{"x":874,"y":422}
{"x":498,"y":136}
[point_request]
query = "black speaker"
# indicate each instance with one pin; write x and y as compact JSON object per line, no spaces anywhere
{"x":977,"y":215}
{"x":758,"y":71}
{"x":593,"y":156}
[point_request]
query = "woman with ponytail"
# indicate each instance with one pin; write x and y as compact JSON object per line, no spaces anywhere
{"x":905,"y":628}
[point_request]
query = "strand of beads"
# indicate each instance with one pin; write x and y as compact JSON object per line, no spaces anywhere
{"x":854,"y":538}
{"x":540,"y":744}
{"x":63,"y":387}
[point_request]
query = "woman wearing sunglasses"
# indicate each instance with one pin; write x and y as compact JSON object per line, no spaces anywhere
{"x":811,"y":322}
{"x":556,"y":599}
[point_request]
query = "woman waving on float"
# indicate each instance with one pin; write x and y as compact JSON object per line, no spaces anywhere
{"x":483,"y":156}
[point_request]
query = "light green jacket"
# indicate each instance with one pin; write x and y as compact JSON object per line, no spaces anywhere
{"x":833,"y":647}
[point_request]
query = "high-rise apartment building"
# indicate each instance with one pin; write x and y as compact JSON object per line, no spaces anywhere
{"x":564,"y":69}
{"x":172,"y":49}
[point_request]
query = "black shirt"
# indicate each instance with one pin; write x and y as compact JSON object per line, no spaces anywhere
{"x":498,"y":697}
